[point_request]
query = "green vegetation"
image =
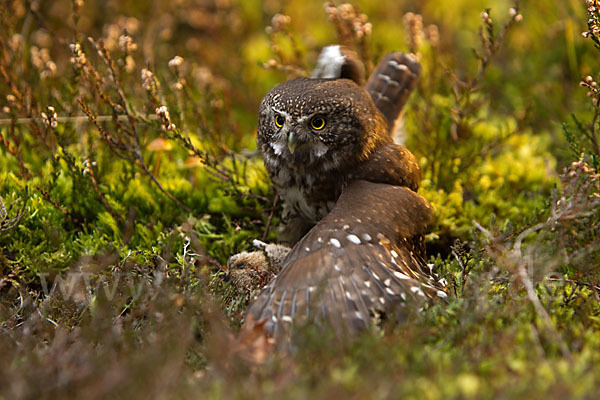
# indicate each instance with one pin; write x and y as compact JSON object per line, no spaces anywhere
{"x":128,"y":176}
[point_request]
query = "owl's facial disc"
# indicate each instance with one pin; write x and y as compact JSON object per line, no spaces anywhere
{"x":298,"y":135}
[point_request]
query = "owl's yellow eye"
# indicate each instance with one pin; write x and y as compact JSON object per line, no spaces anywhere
{"x":279,"y":120}
{"x":317,"y":123}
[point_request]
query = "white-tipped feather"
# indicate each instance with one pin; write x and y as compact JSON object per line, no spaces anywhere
{"x":329,"y":65}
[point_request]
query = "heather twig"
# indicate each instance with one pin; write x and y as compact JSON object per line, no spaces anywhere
{"x":128,"y":146}
{"x":463,"y":90}
{"x":293,"y":66}
{"x":353,"y":29}
{"x":7,"y":223}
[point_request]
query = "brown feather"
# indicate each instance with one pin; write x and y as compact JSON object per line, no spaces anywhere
{"x":360,"y":259}
{"x":392,"y":82}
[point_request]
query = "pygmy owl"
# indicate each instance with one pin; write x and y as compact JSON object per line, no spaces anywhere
{"x":350,"y":206}
{"x":318,"y":135}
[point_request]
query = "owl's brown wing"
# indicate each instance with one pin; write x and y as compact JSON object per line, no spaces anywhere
{"x":393,"y":164}
{"x":392,"y":82}
{"x":362,"y":259}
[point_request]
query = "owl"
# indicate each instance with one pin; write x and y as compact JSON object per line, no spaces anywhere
{"x":318,"y":135}
{"x":350,"y":206}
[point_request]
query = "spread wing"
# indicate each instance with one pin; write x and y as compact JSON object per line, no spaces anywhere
{"x":363,"y":258}
{"x":392,"y":82}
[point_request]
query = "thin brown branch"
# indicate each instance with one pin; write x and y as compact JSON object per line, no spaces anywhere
{"x":160,"y":187}
{"x":270,"y":219}
{"x":72,"y":119}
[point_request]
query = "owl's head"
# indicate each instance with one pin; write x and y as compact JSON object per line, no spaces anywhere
{"x":307,"y":122}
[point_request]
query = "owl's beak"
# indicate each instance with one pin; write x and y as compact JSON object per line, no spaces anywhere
{"x":292,"y":142}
